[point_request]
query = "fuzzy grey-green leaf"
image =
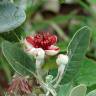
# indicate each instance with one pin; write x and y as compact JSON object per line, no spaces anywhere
{"x":77,"y":48}
{"x":18,"y":60}
{"x":65,"y":89}
{"x":11,"y":16}
{"x":78,"y":90}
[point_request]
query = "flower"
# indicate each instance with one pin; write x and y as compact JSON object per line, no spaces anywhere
{"x":44,"y":40}
{"x":62,"y":59}
{"x":19,"y":85}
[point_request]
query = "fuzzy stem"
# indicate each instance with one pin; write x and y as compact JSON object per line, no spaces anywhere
{"x":43,"y":85}
{"x":56,"y":78}
{"x":61,"y":71}
{"x":39,"y":64}
{"x":47,"y":94}
{"x":49,"y":88}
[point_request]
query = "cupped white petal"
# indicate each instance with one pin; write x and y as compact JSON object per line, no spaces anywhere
{"x":53,"y":50}
{"x":29,"y":48}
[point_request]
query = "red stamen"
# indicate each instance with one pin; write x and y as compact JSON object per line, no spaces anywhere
{"x":42,"y":40}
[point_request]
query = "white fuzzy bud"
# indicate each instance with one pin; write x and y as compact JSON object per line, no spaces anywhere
{"x":49,"y":78}
{"x":62,"y":59}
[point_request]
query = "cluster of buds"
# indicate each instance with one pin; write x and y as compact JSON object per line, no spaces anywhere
{"x":40,"y":46}
{"x":19,"y":85}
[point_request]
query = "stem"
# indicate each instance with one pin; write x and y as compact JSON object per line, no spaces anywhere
{"x":47,"y":94}
{"x":39,"y":64}
{"x":43,"y":85}
{"x":16,"y":36}
{"x":61,"y":71}
{"x":50,"y":89}
{"x":56,"y":78}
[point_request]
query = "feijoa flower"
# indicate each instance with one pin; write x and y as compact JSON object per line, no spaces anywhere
{"x":62,"y":59}
{"x":44,"y":40}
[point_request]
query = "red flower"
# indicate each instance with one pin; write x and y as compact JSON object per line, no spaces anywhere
{"x":43,"y":40}
{"x":19,"y":85}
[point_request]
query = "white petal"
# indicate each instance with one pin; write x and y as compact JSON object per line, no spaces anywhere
{"x":30,"y":51}
{"x":38,"y":53}
{"x":53,"y":50}
{"x":28,"y":45}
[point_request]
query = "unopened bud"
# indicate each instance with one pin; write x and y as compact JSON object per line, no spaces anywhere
{"x":62,"y":59}
{"x":49,"y":78}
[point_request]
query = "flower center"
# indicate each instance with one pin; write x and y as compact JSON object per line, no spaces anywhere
{"x":42,"y":40}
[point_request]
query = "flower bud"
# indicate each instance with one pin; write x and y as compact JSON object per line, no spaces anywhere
{"x":62,"y":59}
{"x":20,"y":84}
{"x":49,"y":78}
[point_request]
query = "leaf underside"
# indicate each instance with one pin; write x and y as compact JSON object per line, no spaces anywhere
{"x":11,"y":17}
{"x":79,"y":90}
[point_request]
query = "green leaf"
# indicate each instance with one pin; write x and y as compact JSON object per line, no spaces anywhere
{"x":18,"y":60}
{"x":87,"y":73}
{"x":11,"y":17}
{"x":78,"y":90}
{"x":77,"y":47}
{"x":92,"y":93}
{"x":4,"y":65}
{"x":65,"y":89}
